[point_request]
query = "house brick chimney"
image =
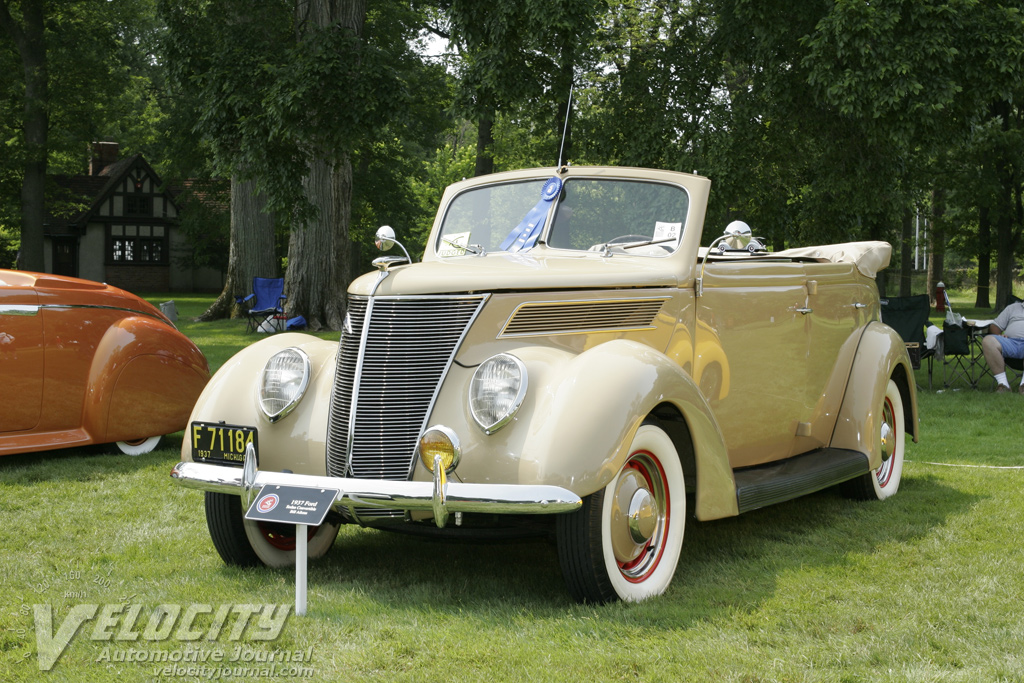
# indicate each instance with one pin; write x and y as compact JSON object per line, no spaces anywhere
{"x":103,"y":154}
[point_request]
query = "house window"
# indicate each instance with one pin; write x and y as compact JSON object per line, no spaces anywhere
{"x":136,"y":205}
{"x":136,"y":244}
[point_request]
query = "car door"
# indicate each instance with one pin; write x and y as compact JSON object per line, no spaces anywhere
{"x":756,"y":311}
{"x":21,"y":358}
{"x":838,"y":304}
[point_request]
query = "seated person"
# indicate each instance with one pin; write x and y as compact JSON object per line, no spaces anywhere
{"x":1005,"y":340}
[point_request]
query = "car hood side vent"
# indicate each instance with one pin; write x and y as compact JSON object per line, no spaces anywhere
{"x":575,"y":317}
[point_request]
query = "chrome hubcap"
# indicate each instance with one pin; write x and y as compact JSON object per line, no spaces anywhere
{"x":887,"y":441}
{"x":643,"y":516}
{"x":631,"y":487}
{"x":638,"y":522}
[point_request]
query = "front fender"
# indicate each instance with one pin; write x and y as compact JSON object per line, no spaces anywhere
{"x":881,"y":355}
{"x":581,"y":414}
{"x":297,"y":442}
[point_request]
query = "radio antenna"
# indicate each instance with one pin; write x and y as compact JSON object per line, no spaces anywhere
{"x":565,"y":127}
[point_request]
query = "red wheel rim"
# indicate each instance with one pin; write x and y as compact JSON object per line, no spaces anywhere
{"x":282,"y":536}
{"x":647,"y":465}
{"x":884,"y":473}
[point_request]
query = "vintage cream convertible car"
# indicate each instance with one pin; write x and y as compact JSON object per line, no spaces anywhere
{"x":567,"y":356}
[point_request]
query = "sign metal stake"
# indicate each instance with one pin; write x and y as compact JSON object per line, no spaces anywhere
{"x":300,"y":569}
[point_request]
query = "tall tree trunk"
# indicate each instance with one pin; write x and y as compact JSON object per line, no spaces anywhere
{"x":937,"y":242}
{"x":907,"y":253}
{"x":319,"y":253}
{"x":484,"y":144}
{"x":251,"y":252}
{"x":1004,"y":257}
{"x":1004,"y":210}
{"x":984,"y":258}
{"x":30,"y":41}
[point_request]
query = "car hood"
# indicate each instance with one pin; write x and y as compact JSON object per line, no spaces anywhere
{"x":505,"y":271}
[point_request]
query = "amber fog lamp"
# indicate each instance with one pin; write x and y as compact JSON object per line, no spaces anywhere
{"x":439,"y":441}
{"x":496,"y":391}
{"x":283,"y":383}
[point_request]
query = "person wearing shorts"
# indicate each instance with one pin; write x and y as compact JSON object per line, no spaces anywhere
{"x":1005,"y":340}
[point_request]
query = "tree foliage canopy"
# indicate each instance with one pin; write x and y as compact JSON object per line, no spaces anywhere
{"x":816,"y":121}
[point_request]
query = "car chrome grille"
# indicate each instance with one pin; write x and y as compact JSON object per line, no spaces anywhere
{"x":390,"y":386}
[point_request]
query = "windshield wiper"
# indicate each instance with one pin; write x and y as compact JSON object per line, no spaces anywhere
{"x":474,"y":249}
{"x":607,"y":251}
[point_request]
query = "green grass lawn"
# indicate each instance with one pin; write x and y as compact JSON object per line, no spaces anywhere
{"x":922,"y":587}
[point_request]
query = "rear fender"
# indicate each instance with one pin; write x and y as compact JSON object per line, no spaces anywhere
{"x":881,"y":355}
{"x":144,"y":379}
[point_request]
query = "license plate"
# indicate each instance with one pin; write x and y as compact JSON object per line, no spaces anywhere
{"x":220,"y":443}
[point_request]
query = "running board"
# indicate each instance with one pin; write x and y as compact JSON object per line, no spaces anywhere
{"x":777,"y":482}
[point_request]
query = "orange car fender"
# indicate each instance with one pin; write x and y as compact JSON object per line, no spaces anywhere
{"x":585,"y":418}
{"x":143,"y":381}
{"x":881,"y":355}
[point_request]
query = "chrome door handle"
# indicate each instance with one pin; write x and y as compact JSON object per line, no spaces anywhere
{"x":860,"y":305}
{"x":805,"y":311}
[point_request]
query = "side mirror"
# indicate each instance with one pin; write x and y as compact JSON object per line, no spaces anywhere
{"x":385,"y":237}
{"x":384,"y":240}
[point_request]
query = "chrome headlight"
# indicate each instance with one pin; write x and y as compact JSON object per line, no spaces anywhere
{"x":496,"y":391}
{"x":283,"y":382}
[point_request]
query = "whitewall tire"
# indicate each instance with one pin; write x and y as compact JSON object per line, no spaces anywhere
{"x":884,"y":481}
{"x":274,"y":544}
{"x":245,"y":543}
{"x":625,"y":542}
{"x":139,"y":446}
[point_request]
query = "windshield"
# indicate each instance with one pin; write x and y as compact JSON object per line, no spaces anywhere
{"x":591,"y":214}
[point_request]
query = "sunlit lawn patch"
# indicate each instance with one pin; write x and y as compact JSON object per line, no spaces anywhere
{"x":922,"y":587}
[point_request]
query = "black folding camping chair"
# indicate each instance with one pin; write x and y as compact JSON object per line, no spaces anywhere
{"x":908,"y":315}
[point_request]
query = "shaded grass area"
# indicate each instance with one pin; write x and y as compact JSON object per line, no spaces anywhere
{"x":219,"y":339}
{"x":921,"y":587}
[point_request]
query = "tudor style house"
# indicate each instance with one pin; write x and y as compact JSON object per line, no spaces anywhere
{"x":119,"y":225}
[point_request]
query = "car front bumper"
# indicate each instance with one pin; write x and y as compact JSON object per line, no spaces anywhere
{"x":439,"y":496}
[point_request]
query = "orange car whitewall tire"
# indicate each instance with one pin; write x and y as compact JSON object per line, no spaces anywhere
{"x":139,"y":446}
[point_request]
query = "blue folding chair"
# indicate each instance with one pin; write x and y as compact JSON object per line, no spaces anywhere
{"x":265,"y":303}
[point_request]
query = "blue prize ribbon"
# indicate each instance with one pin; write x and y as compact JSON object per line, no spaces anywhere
{"x":525,"y":235}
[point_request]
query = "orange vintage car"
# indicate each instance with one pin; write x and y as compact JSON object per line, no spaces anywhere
{"x":84,"y":363}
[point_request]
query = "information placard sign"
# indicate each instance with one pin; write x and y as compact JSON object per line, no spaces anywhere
{"x":299,"y":505}
{"x":292,"y":505}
